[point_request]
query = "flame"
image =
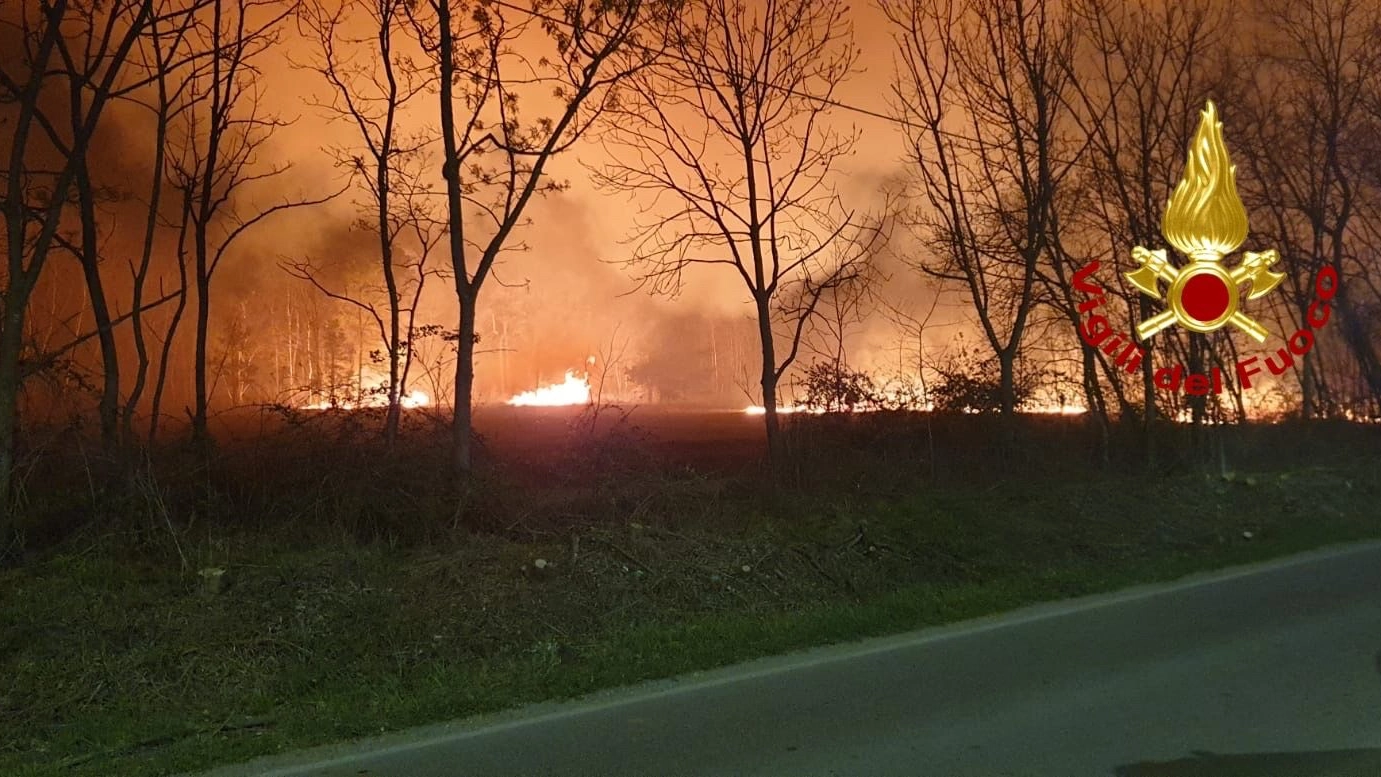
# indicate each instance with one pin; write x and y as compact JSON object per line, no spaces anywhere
{"x":412,"y":399}
{"x":409,"y":400}
{"x":574,"y":390}
{"x":786,"y":410}
{"x":1044,"y":409}
{"x":1055,"y":409}
{"x":1360,"y":417}
{"x":1205,"y":218}
{"x":375,"y":386}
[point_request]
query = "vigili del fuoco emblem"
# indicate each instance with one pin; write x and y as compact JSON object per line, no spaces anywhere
{"x":1205,"y":220}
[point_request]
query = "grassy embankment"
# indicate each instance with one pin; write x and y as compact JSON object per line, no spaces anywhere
{"x":356,"y":600}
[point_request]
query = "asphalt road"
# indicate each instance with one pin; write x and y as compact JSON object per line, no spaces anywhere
{"x":1269,"y":671}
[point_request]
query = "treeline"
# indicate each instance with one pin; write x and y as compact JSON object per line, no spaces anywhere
{"x":139,"y":164}
{"x":138,"y":142}
{"x":1046,"y":136}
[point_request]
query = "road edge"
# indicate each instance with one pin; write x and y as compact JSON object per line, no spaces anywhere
{"x":298,"y":761}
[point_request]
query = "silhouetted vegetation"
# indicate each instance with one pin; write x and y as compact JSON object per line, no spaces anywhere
{"x":308,"y":512}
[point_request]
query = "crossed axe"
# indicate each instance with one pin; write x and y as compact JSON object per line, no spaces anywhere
{"x":1255,"y":267}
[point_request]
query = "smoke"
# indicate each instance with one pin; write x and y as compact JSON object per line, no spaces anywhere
{"x":566,"y":297}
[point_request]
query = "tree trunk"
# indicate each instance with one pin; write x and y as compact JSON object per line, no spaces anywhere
{"x":203,"y":286}
{"x":161,"y":381}
{"x":109,"y":405}
{"x":394,"y":323}
{"x":1093,"y":398}
{"x":395,"y":412}
{"x":461,"y":414}
{"x":1198,"y":405}
{"x":771,"y":421}
{"x":141,"y":349}
{"x":1007,"y":395}
{"x":206,"y":205}
{"x":382,"y":189}
{"x":1007,"y":386}
{"x":768,"y":381}
{"x":1305,"y":375}
{"x":1148,"y":392}
{"x":11,"y":344}
{"x":461,"y":421}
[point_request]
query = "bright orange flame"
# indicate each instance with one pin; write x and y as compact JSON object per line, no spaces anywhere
{"x":1055,"y":409}
{"x":374,"y":386}
{"x":410,"y":400}
{"x":415,"y":398}
{"x":574,"y":390}
{"x":787,"y":410}
{"x":793,"y":409}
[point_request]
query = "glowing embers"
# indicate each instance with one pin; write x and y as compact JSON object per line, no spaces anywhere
{"x":574,"y":390}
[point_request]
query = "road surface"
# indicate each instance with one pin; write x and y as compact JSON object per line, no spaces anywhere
{"x":1268,"y":671}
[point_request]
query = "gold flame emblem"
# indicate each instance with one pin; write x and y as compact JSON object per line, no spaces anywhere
{"x":1205,"y":220}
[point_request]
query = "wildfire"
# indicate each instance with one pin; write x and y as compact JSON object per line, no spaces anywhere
{"x":1055,"y":409}
{"x":800,"y":409}
{"x":374,"y":390}
{"x":574,"y":390}
{"x":787,"y":410}
{"x":412,"y":399}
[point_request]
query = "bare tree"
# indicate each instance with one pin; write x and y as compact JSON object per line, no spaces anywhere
{"x":1315,"y":70}
{"x":980,"y":87}
{"x":48,"y":146}
{"x":87,"y":250}
{"x":841,"y":309}
{"x":1135,"y":85}
{"x":160,"y":55}
{"x":494,"y":159}
{"x":183,"y":222}
{"x":162,"y":52}
{"x":372,"y":81}
{"x":216,"y":157}
{"x":731,"y":128}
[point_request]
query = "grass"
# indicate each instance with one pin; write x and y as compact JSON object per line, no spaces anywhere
{"x":118,"y":661}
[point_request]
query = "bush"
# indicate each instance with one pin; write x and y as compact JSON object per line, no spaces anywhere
{"x":971,"y":384}
{"x":834,"y":388}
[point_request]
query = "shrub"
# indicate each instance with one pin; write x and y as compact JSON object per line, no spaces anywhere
{"x":835,"y":388}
